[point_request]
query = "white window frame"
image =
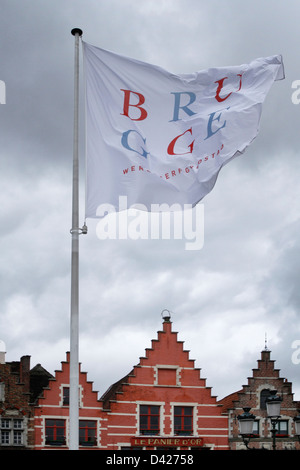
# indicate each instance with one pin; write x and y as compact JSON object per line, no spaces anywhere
{"x":10,"y":433}
{"x":187,"y":404}
{"x":161,"y":405}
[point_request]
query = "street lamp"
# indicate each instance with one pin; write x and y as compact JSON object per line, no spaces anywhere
{"x":297,"y":425}
{"x":273,"y":403}
{"x":246,"y":421}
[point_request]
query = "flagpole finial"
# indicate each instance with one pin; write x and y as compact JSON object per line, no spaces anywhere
{"x":266,"y":343}
{"x":76,"y":31}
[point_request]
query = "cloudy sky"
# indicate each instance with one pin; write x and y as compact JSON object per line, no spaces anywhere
{"x":224,"y":298}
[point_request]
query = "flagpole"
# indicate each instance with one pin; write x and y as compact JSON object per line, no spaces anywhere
{"x":75,"y":231}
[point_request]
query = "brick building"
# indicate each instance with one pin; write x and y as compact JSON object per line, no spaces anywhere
{"x":264,"y":379}
{"x":19,"y":388}
{"x":161,"y":403}
{"x":51,"y":415}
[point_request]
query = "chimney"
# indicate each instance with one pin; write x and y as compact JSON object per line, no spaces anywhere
{"x":265,"y":355}
{"x":25,"y":373}
{"x":2,"y":352}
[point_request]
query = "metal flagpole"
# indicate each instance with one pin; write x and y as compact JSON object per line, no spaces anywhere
{"x":75,"y":231}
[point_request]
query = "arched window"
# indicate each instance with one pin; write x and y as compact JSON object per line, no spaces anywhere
{"x":264,"y":394}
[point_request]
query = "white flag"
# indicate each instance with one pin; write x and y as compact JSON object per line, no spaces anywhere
{"x":159,"y":138}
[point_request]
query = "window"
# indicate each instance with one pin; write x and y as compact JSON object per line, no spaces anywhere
{"x":17,"y":433}
{"x":11,"y":431}
{"x":282,"y":428}
{"x":18,"y":423}
{"x":264,"y":394}
{"x":255,"y":431}
{"x":66,"y":396}
{"x":5,"y":423}
{"x":18,"y":436}
{"x":87,"y":433}
{"x":55,"y":431}
{"x":183,"y":420}
{"x":5,"y":435}
{"x":149,"y":419}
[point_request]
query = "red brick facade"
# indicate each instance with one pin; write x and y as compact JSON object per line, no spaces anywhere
{"x":52,"y":412}
{"x":161,"y":403}
{"x":165,"y":379}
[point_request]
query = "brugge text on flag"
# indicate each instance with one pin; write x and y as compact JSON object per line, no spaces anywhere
{"x":160,"y":138}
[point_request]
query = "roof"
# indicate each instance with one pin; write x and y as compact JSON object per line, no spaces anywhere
{"x":39,"y":379}
{"x":110,"y":394}
{"x":227,"y":402}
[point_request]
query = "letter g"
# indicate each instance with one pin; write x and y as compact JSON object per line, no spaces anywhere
{"x":125,"y":143}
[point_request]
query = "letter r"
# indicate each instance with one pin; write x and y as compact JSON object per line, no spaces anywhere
{"x":185,"y":107}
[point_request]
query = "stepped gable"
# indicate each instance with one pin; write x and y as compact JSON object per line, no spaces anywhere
{"x":39,"y":379}
{"x":265,"y":375}
{"x":165,"y":364}
{"x":52,"y":394}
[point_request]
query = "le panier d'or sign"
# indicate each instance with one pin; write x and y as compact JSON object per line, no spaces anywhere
{"x":166,"y":441}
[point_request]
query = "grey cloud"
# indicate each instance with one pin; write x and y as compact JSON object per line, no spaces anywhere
{"x":224,"y":297}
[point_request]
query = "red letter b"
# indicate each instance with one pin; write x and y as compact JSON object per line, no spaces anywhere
{"x":143,"y":112}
